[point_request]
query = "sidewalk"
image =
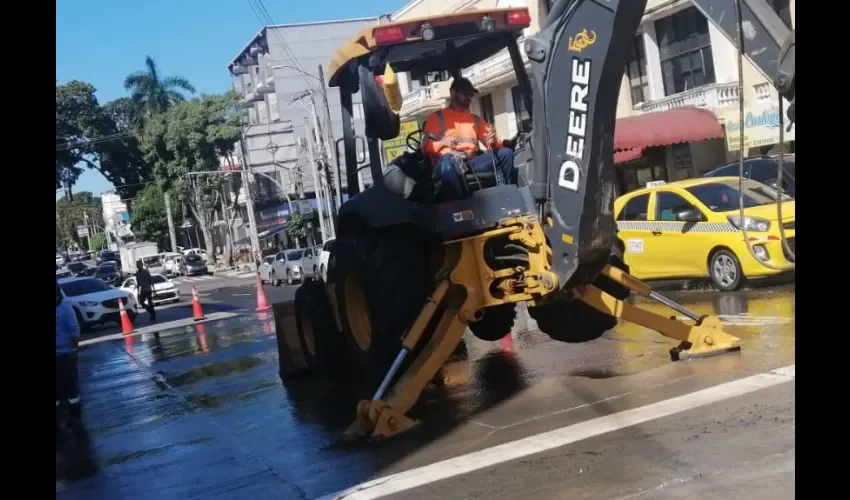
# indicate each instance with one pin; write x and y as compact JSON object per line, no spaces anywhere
{"x":147,"y":436}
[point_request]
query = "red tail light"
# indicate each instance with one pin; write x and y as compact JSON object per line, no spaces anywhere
{"x":518,"y":18}
{"x":391,"y":34}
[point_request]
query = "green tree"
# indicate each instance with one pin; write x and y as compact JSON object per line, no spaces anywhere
{"x":151,"y":94}
{"x":98,"y":241}
{"x":296,"y":229}
{"x":149,"y":221}
{"x":99,"y":137}
{"x":190,"y":137}
{"x":73,"y":212}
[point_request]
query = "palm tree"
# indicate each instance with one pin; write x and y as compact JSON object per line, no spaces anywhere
{"x":153,"y":95}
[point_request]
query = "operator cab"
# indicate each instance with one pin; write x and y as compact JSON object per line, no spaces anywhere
{"x":420,"y":46}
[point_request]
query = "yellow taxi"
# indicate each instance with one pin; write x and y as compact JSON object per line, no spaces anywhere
{"x":692,"y":229}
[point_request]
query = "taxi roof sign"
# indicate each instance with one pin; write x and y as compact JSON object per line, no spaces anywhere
{"x":652,"y":184}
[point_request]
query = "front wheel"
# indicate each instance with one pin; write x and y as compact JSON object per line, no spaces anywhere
{"x":289,"y":280}
{"x":382,"y":281}
{"x":725,"y":271}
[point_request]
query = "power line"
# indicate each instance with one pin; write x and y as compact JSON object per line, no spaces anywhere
{"x":98,"y":140}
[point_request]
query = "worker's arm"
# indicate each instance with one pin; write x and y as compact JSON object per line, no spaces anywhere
{"x":484,"y":135}
{"x":69,"y":323}
{"x":430,"y":146}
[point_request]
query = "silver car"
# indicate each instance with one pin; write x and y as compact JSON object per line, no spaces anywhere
{"x":287,"y":266}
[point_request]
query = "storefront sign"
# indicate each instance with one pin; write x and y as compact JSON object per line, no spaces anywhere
{"x":394,"y":148}
{"x":761,"y":127}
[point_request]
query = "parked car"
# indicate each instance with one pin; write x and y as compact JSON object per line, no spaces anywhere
{"x":287,"y":265}
{"x":265,"y":269}
{"x":692,"y":229}
{"x":195,"y":265}
{"x":95,"y":302}
{"x":763,"y":169}
{"x":78,"y":268}
{"x":197,"y":251}
{"x":109,"y":273}
{"x":310,"y":263}
{"x":165,"y":290}
{"x":323,"y":258}
{"x":173,"y":264}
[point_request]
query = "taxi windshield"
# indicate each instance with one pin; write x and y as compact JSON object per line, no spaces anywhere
{"x":722,"y":196}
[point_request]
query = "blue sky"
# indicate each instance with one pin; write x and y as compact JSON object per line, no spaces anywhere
{"x":102,"y":41}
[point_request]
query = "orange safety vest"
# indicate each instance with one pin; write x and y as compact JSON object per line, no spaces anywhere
{"x":468,"y":128}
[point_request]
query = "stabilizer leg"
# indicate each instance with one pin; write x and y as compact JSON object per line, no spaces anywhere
{"x":704,"y":337}
{"x":383,"y":417}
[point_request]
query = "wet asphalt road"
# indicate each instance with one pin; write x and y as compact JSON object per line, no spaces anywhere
{"x":200,"y":411}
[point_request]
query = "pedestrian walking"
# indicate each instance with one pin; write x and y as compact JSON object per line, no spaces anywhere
{"x":145,"y":283}
{"x":67,"y":342}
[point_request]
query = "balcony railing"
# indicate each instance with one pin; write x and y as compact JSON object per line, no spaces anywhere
{"x":714,"y":96}
{"x":423,"y":100}
{"x":495,"y":69}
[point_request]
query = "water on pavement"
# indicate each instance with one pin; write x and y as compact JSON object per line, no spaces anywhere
{"x":201,"y":410}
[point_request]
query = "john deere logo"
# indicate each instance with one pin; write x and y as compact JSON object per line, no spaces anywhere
{"x":581,"y":41}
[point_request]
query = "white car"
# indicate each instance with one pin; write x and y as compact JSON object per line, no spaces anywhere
{"x":197,"y":251}
{"x":165,"y":290}
{"x":310,"y":262}
{"x":173,"y":264}
{"x":323,"y":260}
{"x":95,"y":302}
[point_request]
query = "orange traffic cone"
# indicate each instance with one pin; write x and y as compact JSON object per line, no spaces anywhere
{"x":201,"y":332}
{"x":262,"y":301}
{"x":507,"y":343}
{"x":197,"y":312}
{"x":126,"y":324}
{"x":265,"y":317}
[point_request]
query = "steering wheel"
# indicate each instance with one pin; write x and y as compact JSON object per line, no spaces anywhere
{"x":414,"y":139}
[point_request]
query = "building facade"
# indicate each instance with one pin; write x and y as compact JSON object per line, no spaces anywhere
{"x":277,"y":75}
{"x":678,"y":60}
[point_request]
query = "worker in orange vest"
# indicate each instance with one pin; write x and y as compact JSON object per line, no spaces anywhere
{"x":452,"y":135}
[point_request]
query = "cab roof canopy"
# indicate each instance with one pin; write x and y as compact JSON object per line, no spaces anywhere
{"x":428,"y":44}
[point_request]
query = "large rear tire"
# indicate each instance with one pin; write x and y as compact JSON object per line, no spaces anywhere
{"x":576,"y":322}
{"x":320,"y":341}
{"x":381,"y":281}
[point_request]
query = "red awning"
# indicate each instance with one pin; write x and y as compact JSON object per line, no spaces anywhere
{"x":627,"y":155}
{"x":664,"y":128}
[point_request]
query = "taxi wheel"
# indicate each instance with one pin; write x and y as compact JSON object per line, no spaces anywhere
{"x":725,"y":271}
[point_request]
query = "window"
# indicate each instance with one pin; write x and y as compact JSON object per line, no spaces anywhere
{"x":783,"y":8}
{"x":726,"y":171}
{"x":682,"y":157}
{"x":487,"y":109}
{"x":274,"y":109}
{"x":635,"y":209}
{"x":520,"y":111}
{"x":723,"y":196}
{"x":84,"y":287}
{"x":684,"y":48}
{"x":636,"y":71}
{"x":158,"y":279}
{"x":294,"y":255}
{"x":668,"y":205}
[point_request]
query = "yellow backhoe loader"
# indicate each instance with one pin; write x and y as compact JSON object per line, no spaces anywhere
{"x":410,"y":271}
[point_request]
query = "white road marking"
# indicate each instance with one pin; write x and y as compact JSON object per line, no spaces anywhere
{"x":489,"y":457}
{"x":158,"y":327}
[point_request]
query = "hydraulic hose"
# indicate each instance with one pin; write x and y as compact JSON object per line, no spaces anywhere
{"x":780,"y":197}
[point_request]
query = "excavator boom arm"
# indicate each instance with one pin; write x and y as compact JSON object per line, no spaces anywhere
{"x":768,"y":42}
{"x":577,"y":60}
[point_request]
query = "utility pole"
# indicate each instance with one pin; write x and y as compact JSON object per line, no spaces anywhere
{"x":317,"y":188}
{"x":326,"y":194}
{"x":88,"y":230}
{"x":172,"y":233}
{"x":330,"y":144}
{"x":246,"y":180}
